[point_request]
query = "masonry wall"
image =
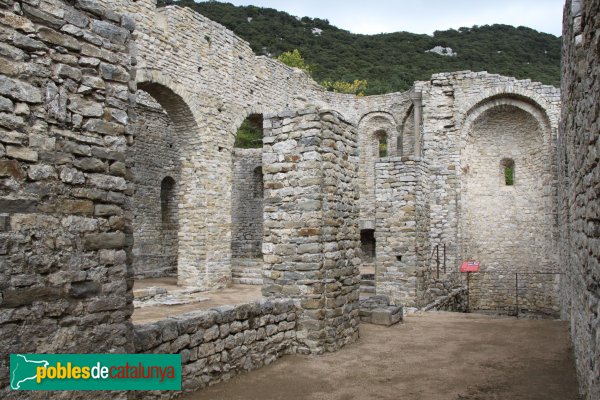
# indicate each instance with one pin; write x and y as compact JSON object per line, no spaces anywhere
{"x":579,"y":182}
{"x":65,"y":187}
{"x":247,"y":204}
{"x":457,"y":108}
{"x":217,"y":344}
{"x":311,"y":244}
{"x":155,"y":156}
{"x":509,"y":228}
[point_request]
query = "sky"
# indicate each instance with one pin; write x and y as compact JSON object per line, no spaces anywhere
{"x":422,"y":16}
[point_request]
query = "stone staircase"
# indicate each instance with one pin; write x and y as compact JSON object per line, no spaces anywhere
{"x":367,"y":284}
{"x":367,"y":279}
{"x":247,"y":271}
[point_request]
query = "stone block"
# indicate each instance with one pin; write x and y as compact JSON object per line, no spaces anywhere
{"x":111,"y":240}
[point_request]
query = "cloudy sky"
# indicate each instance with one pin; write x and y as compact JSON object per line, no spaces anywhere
{"x":422,"y":16}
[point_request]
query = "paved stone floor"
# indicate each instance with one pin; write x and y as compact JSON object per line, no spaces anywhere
{"x":431,"y":356}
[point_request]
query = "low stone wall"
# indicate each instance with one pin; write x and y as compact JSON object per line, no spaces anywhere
{"x":217,"y":344}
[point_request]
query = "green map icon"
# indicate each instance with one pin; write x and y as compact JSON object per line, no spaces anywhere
{"x":23,"y":369}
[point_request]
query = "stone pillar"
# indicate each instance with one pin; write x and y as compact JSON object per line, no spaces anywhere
{"x":416,"y":98}
{"x":311,"y":243}
{"x":402,"y":227}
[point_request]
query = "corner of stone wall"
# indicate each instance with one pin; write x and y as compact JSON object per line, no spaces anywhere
{"x":311,"y":240}
{"x":579,"y":211}
{"x":65,"y":213}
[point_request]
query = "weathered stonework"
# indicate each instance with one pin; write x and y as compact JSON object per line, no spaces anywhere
{"x":65,"y":186}
{"x":156,"y":162}
{"x":247,"y":204}
{"x":311,"y":241}
{"x":217,"y":344}
{"x":579,"y":171}
{"x":96,"y":189}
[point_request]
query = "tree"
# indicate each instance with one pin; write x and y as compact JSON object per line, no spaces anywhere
{"x":357,"y":87}
{"x":294,"y":59}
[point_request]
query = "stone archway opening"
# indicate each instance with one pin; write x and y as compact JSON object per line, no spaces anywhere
{"x":247,"y":203}
{"x":506,"y":215}
{"x":163,"y":126}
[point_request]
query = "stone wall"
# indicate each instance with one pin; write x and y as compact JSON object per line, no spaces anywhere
{"x":579,"y":171}
{"x":65,"y":181}
{"x":311,"y":243}
{"x":155,"y":155}
{"x":508,"y":228}
{"x":247,"y":204}
{"x":217,"y":344}
{"x":459,"y":110}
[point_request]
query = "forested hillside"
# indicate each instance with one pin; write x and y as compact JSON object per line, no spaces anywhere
{"x":391,"y":61}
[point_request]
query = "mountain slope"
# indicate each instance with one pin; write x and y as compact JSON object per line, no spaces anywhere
{"x":391,"y":61}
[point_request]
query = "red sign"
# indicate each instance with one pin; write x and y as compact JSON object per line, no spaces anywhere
{"x":470,"y":266}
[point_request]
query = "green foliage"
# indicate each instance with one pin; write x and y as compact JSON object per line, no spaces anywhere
{"x":383,"y":146}
{"x":358,"y":87}
{"x":248,"y":136}
{"x":294,"y":59}
{"x":391,"y":61}
{"x":509,"y":175}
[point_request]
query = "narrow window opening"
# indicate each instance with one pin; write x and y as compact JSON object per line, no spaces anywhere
{"x":508,"y":169}
{"x":367,"y":244}
{"x":167,"y":201}
{"x":383,"y":146}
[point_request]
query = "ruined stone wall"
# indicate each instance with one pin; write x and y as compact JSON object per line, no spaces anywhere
{"x":155,"y":156}
{"x":247,"y":204}
{"x":219,"y":81}
{"x":457,"y":108}
{"x":311,"y":243}
{"x":65,"y":183}
{"x":579,"y":148}
{"x":217,"y":344}
{"x":508,"y":228}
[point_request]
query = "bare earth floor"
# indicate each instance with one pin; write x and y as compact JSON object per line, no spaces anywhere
{"x":431,"y":356}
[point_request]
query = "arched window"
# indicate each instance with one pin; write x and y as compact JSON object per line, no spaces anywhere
{"x":382,"y":142}
{"x":508,"y":170}
{"x":250,"y":134}
{"x":168,"y":206}
{"x":258,"y":183}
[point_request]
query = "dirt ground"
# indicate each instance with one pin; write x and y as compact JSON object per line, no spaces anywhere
{"x":431,"y":356}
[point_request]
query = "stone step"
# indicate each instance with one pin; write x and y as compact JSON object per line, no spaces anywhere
{"x":367,"y":289}
{"x":247,"y":281}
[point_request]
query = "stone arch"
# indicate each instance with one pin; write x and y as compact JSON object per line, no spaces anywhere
{"x":521,"y":97}
{"x":247,"y":212}
{"x":508,"y":227}
{"x":168,"y":143}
